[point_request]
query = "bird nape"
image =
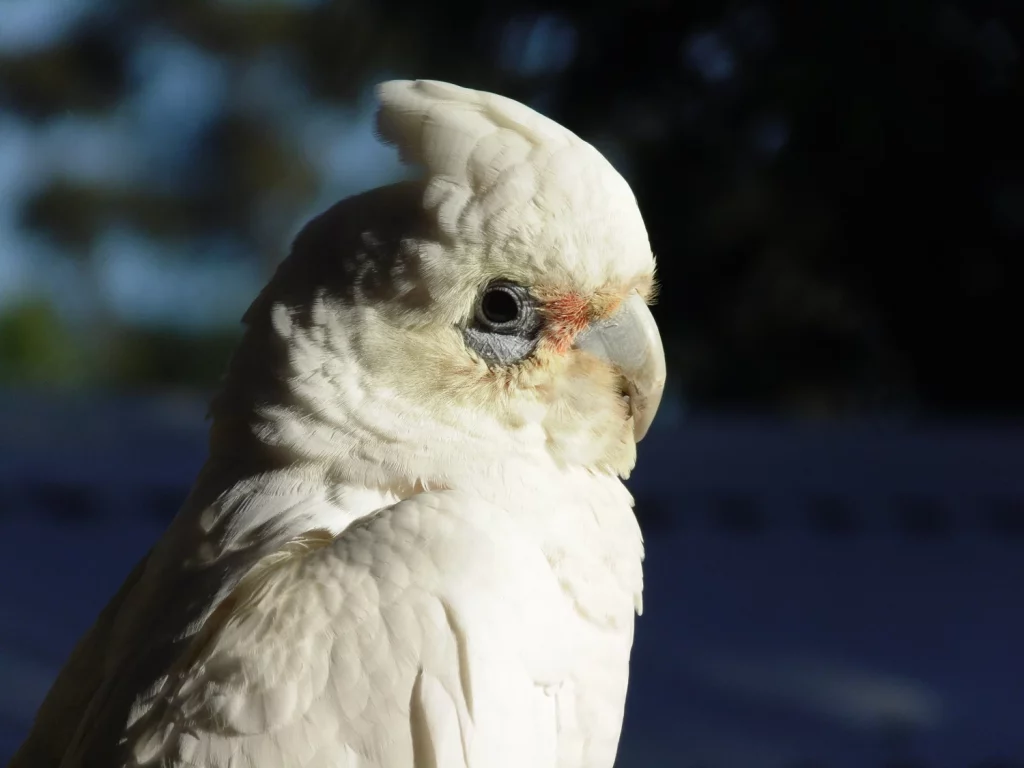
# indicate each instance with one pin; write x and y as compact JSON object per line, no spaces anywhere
{"x":410,"y":544}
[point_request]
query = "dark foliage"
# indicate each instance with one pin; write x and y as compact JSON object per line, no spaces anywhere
{"x":835,"y":190}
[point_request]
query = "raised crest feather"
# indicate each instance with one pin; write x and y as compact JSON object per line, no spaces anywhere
{"x":450,"y":130}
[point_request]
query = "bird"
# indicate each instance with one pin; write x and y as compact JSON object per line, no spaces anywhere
{"x":411,"y":545}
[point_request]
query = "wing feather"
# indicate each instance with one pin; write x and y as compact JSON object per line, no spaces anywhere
{"x":421,"y":636}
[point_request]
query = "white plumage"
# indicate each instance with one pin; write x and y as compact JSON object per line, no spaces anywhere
{"x":403,"y":551}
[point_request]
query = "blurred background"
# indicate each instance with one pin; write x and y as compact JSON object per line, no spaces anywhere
{"x":834,"y":499}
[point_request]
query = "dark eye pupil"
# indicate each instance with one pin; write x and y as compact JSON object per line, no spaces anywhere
{"x":499,"y":306}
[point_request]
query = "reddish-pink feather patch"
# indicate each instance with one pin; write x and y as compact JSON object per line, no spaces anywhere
{"x":567,"y":315}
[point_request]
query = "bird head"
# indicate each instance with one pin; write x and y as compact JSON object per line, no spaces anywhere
{"x":496,"y":307}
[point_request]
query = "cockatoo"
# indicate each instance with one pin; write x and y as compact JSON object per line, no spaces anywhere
{"x":410,"y":546}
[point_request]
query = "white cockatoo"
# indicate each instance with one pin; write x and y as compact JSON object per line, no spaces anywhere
{"x":410,"y":546}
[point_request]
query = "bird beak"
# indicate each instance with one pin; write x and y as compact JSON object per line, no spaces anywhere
{"x":629,"y":340}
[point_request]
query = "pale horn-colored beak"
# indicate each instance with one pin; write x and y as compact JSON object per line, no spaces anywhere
{"x":629,"y":339}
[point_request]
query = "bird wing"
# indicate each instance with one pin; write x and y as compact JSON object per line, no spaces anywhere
{"x":166,"y":599}
{"x":428,"y":634}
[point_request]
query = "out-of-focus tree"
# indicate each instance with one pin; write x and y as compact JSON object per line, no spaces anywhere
{"x":835,"y":191}
{"x":34,"y":348}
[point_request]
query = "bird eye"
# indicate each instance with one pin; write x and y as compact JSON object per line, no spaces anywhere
{"x":501,"y":308}
{"x":506,"y":324}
